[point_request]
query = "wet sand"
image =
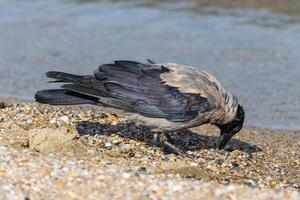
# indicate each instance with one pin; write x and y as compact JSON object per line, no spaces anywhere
{"x":291,"y":7}
{"x":82,"y":152}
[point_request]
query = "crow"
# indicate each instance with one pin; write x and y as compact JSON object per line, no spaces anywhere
{"x":164,"y":97}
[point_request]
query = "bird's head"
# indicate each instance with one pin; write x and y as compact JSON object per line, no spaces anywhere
{"x":231,"y":128}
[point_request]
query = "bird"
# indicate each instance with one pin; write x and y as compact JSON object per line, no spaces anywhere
{"x":165,"y":97}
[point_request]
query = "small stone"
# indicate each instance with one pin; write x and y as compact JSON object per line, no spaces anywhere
{"x":108,"y":144}
{"x":64,"y":119}
{"x":177,"y":188}
{"x":114,"y":153}
{"x":212,"y":167}
{"x":99,"y":143}
{"x":24,"y":159}
{"x":53,"y":121}
{"x":223,"y":170}
{"x":114,"y":122}
{"x":29,"y":121}
{"x":60,"y":183}
{"x":126,"y":175}
{"x":125,"y":148}
{"x":42,"y":173}
{"x":2,"y":171}
{"x":116,"y":141}
{"x":172,"y":158}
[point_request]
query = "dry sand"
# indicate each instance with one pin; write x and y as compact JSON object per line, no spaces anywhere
{"x":49,"y":152}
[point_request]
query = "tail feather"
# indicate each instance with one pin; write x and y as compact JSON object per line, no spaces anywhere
{"x":62,"y":76}
{"x":83,"y":90}
{"x":63,"y":97}
{"x":86,"y":81}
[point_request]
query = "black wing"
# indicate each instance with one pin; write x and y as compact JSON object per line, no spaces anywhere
{"x":135,"y":87}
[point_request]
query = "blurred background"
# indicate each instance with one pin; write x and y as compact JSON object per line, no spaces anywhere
{"x":251,"y":46}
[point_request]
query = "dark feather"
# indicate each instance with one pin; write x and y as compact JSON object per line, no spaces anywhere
{"x":63,"y":97}
{"x":83,"y":90}
{"x":135,"y":87}
{"x":86,"y":81}
{"x":64,"y":77}
{"x":144,"y":87}
{"x":150,"y":61}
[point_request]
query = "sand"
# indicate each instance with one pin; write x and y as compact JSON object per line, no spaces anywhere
{"x":49,"y":152}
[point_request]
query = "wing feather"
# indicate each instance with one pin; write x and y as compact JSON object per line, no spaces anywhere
{"x":140,"y":88}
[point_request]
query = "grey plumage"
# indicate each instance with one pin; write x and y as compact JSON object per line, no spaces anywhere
{"x":165,"y":97}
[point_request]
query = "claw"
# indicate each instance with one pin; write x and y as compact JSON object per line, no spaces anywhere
{"x":166,"y":140}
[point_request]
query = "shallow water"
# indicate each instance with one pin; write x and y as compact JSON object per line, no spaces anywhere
{"x":255,"y":53}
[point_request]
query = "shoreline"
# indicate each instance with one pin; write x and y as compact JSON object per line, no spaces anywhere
{"x":11,"y":100}
{"x":95,"y":148}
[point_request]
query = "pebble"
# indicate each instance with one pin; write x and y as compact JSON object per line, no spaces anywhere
{"x":126,"y":175}
{"x":64,"y":119}
{"x":53,"y":121}
{"x":108,"y":144}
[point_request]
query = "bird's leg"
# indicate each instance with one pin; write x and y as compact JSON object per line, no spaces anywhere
{"x":166,"y":140}
{"x":168,"y":137}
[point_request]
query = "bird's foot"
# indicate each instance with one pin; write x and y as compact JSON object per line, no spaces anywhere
{"x":165,"y":140}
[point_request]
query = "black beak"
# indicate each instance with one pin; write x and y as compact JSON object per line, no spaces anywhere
{"x":225,"y":138}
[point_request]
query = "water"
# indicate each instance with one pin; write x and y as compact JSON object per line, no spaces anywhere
{"x":255,"y":53}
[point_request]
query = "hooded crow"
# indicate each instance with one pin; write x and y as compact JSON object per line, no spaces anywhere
{"x":164,"y":97}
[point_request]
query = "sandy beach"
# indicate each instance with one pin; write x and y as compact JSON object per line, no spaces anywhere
{"x":74,"y":152}
{"x":83,"y":152}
